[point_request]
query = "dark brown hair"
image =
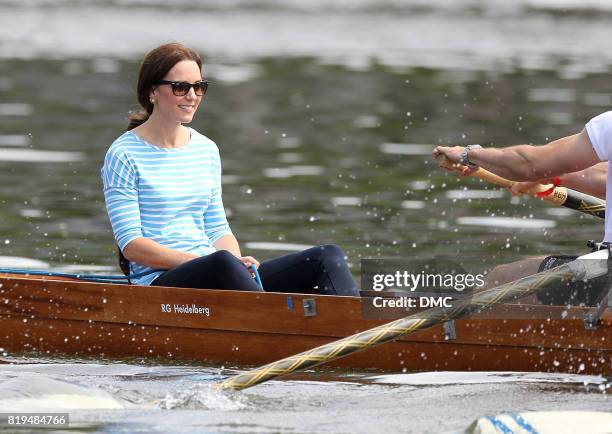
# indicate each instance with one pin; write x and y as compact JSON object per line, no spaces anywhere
{"x":155,"y":66}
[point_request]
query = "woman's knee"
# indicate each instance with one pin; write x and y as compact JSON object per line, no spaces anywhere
{"x":327,"y":254}
{"x":231,"y":273}
{"x":224,"y":261}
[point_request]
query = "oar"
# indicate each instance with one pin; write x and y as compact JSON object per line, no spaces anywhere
{"x":562,"y":196}
{"x":416,"y":322}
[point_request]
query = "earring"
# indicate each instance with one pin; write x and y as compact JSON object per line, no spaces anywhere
{"x":152,"y":100}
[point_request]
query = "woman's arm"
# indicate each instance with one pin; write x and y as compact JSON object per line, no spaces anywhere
{"x":230,"y":243}
{"x":150,"y":253}
{"x":120,"y":180}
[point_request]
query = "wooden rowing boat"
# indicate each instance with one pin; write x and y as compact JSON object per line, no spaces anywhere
{"x":49,"y":315}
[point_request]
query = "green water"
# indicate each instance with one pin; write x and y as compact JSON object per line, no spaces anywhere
{"x":300,"y":112}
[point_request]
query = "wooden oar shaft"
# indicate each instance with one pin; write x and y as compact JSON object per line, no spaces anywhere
{"x":393,"y":330}
{"x":561,"y":196}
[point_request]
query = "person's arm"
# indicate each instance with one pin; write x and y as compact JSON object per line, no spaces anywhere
{"x":120,"y":180}
{"x":590,"y":181}
{"x":530,"y":163}
{"x":216,"y":226}
{"x":230,"y":243}
{"x":148,"y":252}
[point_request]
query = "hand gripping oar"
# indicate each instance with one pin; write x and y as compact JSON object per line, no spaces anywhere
{"x":562,"y":196}
{"x":579,"y":269}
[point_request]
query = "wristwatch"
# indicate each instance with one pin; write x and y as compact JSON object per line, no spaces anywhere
{"x":465,"y":155}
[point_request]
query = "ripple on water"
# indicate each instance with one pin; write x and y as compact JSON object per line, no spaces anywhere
{"x":233,"y":74}
{"x":105,"y":65}
{"x":366,"y":121}
{"x":17,"y":262}
{"x":346,"y":201}
{"x":31,"y":213}
{"x":551,"y":95}
{"x":474,"y":194}
{"x":41,"y":393}
{"x":15,"y":109}
{"x":38,"y":156}
{"x":289,"y":247}
{"x":448,"y":378}
{"x":406,"y":149}
{"x":419,"y":185}
{"x":413,"y":204}
{"x":14,"y":140}
{"x":507,"y":222}
{"x":288,"y":172}
{"x":560,"y":212}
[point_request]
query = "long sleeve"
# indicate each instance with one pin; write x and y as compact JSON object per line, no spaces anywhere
{"x":215,"y":220}
{"x":121,"y":195}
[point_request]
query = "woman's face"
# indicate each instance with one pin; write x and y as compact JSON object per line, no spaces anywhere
{"x":178,"y":108}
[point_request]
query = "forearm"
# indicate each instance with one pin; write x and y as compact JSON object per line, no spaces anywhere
{"x":147,"y":252}
{"x":529,"y":163}
{"x":507,"y":162}
{"x":590,"y":181}
{"x":516,"y":163}
{"x":230,"y":243}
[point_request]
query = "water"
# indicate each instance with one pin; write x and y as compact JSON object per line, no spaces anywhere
{"x":295,"y":146}
{"x":172,"y":399}
{"x":324,"y":114}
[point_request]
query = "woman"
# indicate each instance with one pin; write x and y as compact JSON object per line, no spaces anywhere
{"x":162,"y":186}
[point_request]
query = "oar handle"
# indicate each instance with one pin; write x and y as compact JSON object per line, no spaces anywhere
{"x":485,"y":175}
{"x":559,"y":196}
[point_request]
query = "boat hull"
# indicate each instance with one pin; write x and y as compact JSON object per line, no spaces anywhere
{"x":51,"y":316}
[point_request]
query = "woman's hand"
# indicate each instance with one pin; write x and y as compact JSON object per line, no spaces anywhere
{"x":248,"y":261}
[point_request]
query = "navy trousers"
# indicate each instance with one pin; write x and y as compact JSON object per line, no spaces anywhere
{"x":318,"y":270}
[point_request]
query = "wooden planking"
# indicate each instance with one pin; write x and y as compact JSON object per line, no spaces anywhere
{"x":240,"y":318}
{"x":114,"y":340}
{"x":268,"y":312}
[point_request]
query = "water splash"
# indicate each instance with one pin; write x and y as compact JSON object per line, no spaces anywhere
{"x":204,"y":397}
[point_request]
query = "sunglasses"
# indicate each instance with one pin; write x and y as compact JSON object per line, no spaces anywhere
{"x":181,"y":88}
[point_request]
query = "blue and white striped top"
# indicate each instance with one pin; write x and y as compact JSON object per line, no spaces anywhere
{"x":170,"y":195}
